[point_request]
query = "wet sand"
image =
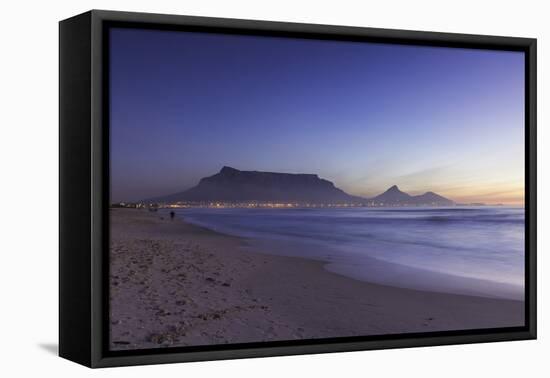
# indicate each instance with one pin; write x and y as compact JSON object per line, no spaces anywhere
{"x":177,"y":284}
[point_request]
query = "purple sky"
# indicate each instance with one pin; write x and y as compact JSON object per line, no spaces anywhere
{"x":365,"y":116}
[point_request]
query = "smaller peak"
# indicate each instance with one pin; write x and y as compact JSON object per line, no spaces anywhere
{"x":226,"y":169}
{"x":393,"y":188}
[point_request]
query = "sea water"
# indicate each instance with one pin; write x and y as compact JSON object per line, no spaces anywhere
{"x":464,"y":250}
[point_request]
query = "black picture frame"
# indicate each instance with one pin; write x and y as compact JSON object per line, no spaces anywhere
{"x":84,"y":188}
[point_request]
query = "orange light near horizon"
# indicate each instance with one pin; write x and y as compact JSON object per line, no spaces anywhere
{"x":493,"y":194}
{"x":490,"y":194}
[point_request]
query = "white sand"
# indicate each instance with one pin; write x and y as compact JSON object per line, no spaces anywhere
{"x":176,"y":284}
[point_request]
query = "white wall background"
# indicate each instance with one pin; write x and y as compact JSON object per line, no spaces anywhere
{"x":29,"y":174}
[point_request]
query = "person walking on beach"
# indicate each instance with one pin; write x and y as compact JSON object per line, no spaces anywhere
{"x":172,"y":214}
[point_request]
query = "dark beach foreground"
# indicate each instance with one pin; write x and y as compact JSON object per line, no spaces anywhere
{"x":177,"y":284}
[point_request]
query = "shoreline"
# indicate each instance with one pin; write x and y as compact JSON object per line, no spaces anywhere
{"x":177,"y":284}
{"x":376,"y":258}
{"x":392,"y":274}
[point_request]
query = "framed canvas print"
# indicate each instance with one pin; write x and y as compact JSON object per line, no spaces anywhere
{"x":233,"y":188}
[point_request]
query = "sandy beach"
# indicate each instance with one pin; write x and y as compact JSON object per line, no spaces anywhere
{"x":177,"y":284}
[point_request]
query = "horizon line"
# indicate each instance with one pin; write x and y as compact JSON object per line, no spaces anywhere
{"x":519,"y":202}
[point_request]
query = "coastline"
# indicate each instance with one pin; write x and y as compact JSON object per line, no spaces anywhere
{"x":176,"y":284}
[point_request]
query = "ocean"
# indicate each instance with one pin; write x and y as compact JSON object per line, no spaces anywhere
{"x":462,"y":250}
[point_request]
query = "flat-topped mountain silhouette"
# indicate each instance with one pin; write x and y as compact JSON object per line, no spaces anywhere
{"x":233,"y":185}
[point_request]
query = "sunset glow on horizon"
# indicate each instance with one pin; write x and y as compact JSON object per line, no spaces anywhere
{"x":365,"y":116}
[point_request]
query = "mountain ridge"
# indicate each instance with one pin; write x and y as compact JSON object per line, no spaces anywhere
{"x":234,"y":185}
{"x":394,"y":196}
{"x":231,"y":184}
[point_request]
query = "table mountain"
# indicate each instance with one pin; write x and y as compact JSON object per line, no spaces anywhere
{"x":233,"y":185}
